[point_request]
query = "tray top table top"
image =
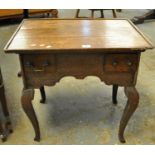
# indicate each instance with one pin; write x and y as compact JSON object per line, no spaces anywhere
{"x":55,"y":35}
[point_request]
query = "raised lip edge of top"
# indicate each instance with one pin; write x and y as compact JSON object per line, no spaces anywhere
{"x":130,"y":22}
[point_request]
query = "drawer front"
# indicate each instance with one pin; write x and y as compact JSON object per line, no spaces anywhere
{"x":37,"y":64}
{"x":46,"y":69}
{"x":121,"y":62}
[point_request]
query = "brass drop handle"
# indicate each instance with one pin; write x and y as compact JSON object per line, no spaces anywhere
{"x":114,"y":63}
{"x":38,"y":70}
{"x":129,"y":63}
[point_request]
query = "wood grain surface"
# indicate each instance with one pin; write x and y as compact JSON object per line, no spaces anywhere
{"x":85,"y":34}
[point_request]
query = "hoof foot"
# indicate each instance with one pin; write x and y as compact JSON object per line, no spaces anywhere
{"x":42,"y":101}
{"x":122,"y":139}
{"x":37,"y":139}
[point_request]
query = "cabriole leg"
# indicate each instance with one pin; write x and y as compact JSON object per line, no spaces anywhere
{"x":26,"y":99}
{"x":132,"y":104}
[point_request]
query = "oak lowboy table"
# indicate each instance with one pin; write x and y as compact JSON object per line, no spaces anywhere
{"x":50,"y":49}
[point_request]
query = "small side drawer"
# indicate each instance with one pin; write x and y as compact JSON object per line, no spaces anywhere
{"x":121,"y":62}
{"x":39,"y":63}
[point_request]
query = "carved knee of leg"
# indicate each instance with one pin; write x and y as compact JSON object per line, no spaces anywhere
{"x":133,"y":98}
{"x":27,"y":97}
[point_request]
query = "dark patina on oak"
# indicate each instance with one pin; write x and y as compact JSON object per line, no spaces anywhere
{"x":50,"y":49}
